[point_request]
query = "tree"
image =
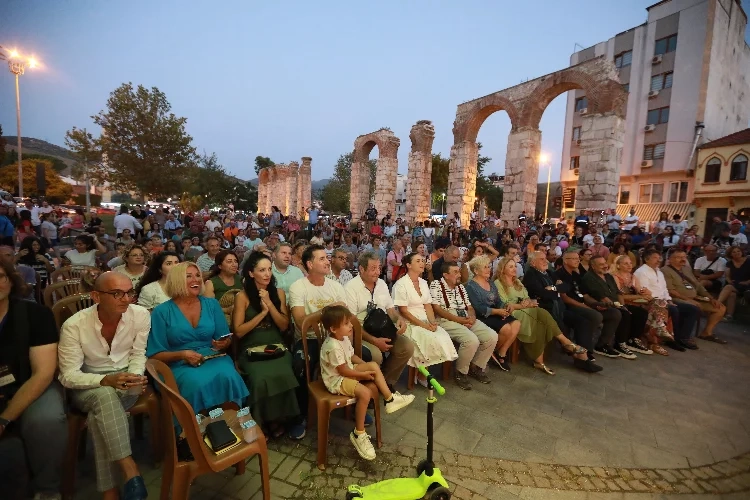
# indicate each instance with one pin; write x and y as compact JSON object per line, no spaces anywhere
{"x":335,"y":194}
{"x":263,"y":162}
{"x":209,"y":179}
{"x":88,"y":153}
{"x":2,"y":144}
{"x":58,"y":191}
{"x":439,"y":179}
{"x":244,"y":196}
{"x":145,"y":146}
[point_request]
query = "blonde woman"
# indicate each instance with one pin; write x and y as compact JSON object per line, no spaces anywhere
{"x":135,"y":264}
{"x":184,"y":331}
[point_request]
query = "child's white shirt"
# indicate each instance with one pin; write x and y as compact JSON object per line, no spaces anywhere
{"x":335,"y":353}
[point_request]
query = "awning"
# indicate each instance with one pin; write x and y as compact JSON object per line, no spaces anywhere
{"x":649,"y":212}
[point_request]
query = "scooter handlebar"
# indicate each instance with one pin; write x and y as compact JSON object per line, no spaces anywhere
{"x":431,"y":380}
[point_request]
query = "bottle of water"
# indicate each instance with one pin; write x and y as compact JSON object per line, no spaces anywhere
{"x":249,"y":431}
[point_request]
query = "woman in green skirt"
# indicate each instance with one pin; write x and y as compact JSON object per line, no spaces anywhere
{"x":538,"y":327}
{"x":260,"y":315}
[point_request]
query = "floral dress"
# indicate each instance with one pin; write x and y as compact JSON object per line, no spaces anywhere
{"x":658,"y":314}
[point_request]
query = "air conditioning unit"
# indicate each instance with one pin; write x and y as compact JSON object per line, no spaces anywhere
{"x":583,"y":111}
{"x":578,"y":142}
{"x":647,"y":163}
{"x":656,"y":59}
{"x":576,"y":171}
{"x":653,"y":94}
{"x":650,"y":128}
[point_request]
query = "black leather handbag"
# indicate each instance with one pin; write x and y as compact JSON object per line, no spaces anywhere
{"x":378,"y":324}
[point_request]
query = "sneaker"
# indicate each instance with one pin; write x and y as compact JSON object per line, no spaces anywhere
{"x":398,"y":401}
{"x":478,"y":374}
{"x":606,"y":351}
{"x":638,"y":346}
{"x":298,"y":431}
{"x":624,"y":352}
{"x":728,"y":318}
{"x":462,"y":381}
{"x":363,"y":445}
{"x":369,"y":420}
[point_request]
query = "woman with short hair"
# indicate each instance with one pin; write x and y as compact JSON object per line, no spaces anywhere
{"x":135,"y":264}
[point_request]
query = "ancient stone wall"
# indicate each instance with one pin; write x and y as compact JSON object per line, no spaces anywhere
{"x":292,"y":203}
{"x":263,"y":190}
{"x":602,"y":139}
{"x":387,"y":171}
{"x":304,"y":185}
{"x":521,"y":170}
{"x":418,"y":179}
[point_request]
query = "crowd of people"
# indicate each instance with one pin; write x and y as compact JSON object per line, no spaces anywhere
{"x":194,"y":290}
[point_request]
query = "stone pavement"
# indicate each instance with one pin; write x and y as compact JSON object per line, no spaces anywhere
{"x":655,"y":427}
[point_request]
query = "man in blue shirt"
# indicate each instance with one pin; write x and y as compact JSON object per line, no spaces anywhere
{"x":6,"y":227}
{"x":312,"y":218}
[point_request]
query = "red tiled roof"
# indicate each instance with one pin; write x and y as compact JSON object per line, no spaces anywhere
{"x":741,"y":137}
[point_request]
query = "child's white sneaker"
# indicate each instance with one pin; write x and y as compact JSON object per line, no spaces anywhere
{"x":363,"y":445}
{"x":398,"y":402}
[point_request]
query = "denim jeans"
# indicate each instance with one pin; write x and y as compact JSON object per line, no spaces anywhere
{"x":684,"y":319}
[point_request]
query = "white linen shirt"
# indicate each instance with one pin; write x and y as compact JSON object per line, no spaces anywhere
{"x":84,"y":355}
{"x":126,"y":221}
{"x":653,"y":279}
{"x":357,"y":297}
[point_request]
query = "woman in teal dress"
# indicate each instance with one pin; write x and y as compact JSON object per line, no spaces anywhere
{"x":260,"y":315}
{"x":187,"y":328}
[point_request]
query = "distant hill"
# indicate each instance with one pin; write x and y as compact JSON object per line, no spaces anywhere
{"x":37,"y":146}
{"x":316,"y":185}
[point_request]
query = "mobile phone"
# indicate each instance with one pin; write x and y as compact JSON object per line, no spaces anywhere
{"x":225,"y":336}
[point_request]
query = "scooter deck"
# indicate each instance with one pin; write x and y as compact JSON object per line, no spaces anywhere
{"x":402,"y":488}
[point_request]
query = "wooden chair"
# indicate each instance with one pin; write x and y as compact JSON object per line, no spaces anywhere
{"x":61,"y":289}
{"x":179,"y":475}
{"x":70,"y":272}
{"x":322,"y":402}
{"x":67,"y":307}
{"x":447,"y":365}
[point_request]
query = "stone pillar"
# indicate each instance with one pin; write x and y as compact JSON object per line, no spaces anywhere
{"x":521,"y":172}
{"x":304,"y":185}
{"x":387,"y":173}
{"x":418,"y":179}
{"x":602,"y":138}
{"x":291,"y":189}
{"x":283,"y":174}
{"x":271,"y":197}
{"x":462,"y":180}
{"x":262,"y":189}
{"x":359,"y":195}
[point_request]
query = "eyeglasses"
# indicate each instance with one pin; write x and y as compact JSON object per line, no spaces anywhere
{"x":119,"y":294}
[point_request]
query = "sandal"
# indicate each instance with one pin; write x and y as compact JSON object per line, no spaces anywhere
{"x":276,"y":431}
{"x":544,"y":368}
{"x":574,"y":348}
{"x":658,"y":349}
{"x":712,"y":338}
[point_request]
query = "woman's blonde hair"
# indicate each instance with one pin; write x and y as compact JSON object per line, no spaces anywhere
{"x":478,"y":263}
{"x":176,"y":285}
{"x":498,"y":274}
{"x":618,"y":260}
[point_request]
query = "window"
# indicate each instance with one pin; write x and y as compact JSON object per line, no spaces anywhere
{"x":657,"y":116}
{"x":662,"y":81}
{"x":626,"y":87}
{"x":576,"y":133}
{"x":574,"y":162}
{"x":653,"y":151}
{"x":738,"y":171}
{"x":678,"y":192}
{"x":651,"y":193}
{"x":713,"y":170}
{"x":582,"y":103}
{"x":624,"y":59}
{"x":624,"y":195}
{"x":664,"y":45}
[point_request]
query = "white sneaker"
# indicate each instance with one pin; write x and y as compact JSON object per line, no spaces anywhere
{"x":363,"y":445}
{"x":399,"y":401}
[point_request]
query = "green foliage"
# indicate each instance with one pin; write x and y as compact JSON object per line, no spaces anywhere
{"x":244,"y":196}
{"x":88,"y":154}
{"x":125,"y":198}
{"x":2,"y":143}
{"x":56,"y":187}
{"x":209,"y":181}
{"x":494,"y":199}
{"x":146,"y":146}
{"x":262,"y":162}
{"x":11,"y":158}
{"x":335,"y":194}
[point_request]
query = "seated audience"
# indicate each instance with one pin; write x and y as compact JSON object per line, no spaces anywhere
{"x":84,"y":253}
{"x":710,"y":269}
{"x":283,"y":270}
{"x":737,"y":280}
{"x":222,"y":279}
{"x":151,"y":289}
{"x":339,"y":263}
{"x":135,"y":264}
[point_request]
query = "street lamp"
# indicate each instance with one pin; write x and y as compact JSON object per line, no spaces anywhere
{"x":444,"y":204}
{"x":544,"y":158}
{"x":17,"y":65}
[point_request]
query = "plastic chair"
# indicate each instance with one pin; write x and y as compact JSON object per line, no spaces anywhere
{"x":147,"y":404}
{"x":178,"y":476}
{"x":322,"y":402}
{"x":70,"y":272}
{"x":60,"y":289}
{"x":447,"y":365}
{"x":67,"y":307}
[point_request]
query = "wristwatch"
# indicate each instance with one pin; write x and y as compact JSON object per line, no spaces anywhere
{"x":4,"y":422}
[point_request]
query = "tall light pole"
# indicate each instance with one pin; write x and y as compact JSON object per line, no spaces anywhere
{"x":544,"y":158}
{"x":17,"y":65}
{"x":444,"y":204}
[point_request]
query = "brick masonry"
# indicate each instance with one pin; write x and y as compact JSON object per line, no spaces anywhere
{"x":387,"y":172}
{"x":287,"y":186}
{"x":419,"y":174}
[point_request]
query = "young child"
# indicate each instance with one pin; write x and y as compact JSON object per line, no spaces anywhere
{"x":342,"y":371}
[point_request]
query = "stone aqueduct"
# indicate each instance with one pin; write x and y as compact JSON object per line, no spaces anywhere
{"x":601,"y":142}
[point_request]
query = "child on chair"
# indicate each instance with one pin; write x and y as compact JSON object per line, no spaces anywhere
{"x":342,"y":370}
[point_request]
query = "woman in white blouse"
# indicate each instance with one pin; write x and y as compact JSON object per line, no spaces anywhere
{"x":135,"y":264}
{"x":84,"y":253}
{"x":151,"y":288}
{"x":411,"y":294}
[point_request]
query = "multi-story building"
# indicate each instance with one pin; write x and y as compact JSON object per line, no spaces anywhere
{"x":686,"y":71}
{"x":400,"y":195}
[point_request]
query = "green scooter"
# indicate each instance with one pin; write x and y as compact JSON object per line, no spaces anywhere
{"x":429,"y":483}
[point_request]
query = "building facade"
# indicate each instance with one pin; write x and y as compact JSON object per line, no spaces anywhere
{"x":686,"y":72}
{"x":401,"y":183}
{"x":722,"y":188}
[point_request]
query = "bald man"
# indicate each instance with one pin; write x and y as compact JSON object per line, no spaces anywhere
{"x":105,"y":378}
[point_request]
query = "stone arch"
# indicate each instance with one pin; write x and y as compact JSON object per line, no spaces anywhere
{"x":387,"y":171}
{"x":467,"y":128}
{"x":549,"y":88}
{"x":263,"y":199}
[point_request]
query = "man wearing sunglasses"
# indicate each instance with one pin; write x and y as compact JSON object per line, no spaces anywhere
{"x":102,"y":358}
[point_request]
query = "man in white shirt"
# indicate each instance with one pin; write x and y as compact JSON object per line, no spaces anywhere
{"x":476,"y":341}
{"x":368,"y":290}
{"x":102,"y":358}
{"x":213,"y":224}
{"x":339,"y":261}
{"x":710,"y":268}
{"x":588,"y":240}
{"x":738,"y":239}
{"x":678,"y":225}
{"x":126,"y":221}
{"x":631,"y":220}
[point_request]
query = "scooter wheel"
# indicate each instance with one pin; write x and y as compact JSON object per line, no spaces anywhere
{"x":440,"y":493}
{"x":352,"y":496}
{"x":421,"y":467}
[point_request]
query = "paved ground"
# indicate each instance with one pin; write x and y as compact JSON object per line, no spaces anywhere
{"x":656,"y":427}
